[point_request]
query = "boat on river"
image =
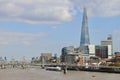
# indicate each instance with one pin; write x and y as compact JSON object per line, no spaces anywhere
{"x":54,"y":68}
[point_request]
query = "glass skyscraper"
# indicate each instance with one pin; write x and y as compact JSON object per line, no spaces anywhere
{"x":84,"y":30}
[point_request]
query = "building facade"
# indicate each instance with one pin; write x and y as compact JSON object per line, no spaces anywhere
{"x":45,"y":57}
{"x":108,"y":43}
{"x":67,"y":50}
{"x":71,"y":55}
{"x":101,"y":51}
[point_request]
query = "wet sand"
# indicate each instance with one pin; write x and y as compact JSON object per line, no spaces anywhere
{"x":41,"y":74}
{"x":27,"y":74}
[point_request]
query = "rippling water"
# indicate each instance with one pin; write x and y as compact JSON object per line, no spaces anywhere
{"x":41,"y":74}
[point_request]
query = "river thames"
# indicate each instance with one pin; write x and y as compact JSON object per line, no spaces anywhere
{"x":42,"y":74}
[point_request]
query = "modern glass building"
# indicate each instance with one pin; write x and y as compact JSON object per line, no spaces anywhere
{"x":65,"y":51}
{"x":84,"y":30}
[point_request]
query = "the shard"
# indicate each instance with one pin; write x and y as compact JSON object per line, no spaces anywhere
{"x":84,"y":30}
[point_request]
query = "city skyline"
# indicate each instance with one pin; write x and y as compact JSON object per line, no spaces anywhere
{"x":31,"y":27}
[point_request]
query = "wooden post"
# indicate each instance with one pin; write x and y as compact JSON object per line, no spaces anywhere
{"x":65,"y":69}
{"x":43,"y":63}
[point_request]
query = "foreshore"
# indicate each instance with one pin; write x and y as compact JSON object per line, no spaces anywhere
{"x":22,"y":74}
{"x":42,"y":74}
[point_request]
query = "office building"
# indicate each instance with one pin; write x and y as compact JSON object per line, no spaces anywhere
{"x":101,"y":51}
{"x":67,"y":50}
{"x":108,"y":43}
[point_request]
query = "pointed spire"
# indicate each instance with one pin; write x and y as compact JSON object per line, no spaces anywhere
{"x":84,"y":30}
{"x":85,"y":22}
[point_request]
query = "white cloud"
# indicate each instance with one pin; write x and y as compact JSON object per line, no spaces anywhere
{"x":36,"y":11}
{"x":8,"y":37}
{"x":54,"y":11}
{"x":100,"y":8}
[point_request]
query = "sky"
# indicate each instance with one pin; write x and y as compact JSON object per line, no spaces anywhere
{"x":31,"y":27}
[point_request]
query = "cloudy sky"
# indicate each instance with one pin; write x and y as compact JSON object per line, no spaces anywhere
{"x":30,"y":27}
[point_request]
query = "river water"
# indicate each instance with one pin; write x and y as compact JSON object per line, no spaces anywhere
{"x":41,"y":74}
